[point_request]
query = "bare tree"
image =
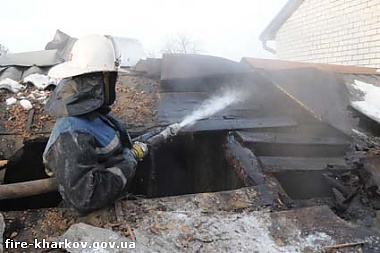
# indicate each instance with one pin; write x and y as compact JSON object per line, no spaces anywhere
{"x":3,"y":50}
{"x":181,"y":44}
{"x":151,"y":53}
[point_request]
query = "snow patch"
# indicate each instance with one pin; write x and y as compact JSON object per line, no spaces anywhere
{"x":11,"y":101}
{"x":370,"y":103}
{"x":26,"y":104}
{"x":247,"y":232}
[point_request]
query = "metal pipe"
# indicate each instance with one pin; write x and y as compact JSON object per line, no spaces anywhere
{"x":29,"y":188}
{"x":267,"y":48}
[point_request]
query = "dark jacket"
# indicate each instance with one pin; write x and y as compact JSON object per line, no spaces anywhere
{"x":90,"y":157}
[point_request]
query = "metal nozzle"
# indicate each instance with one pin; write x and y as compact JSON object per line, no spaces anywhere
{"x":174,"y":128}
{"x":171,"y":130}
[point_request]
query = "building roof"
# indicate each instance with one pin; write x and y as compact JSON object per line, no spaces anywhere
{"x":274,"y":64}
{"x":270,"y":31}
{"x":325,"y":90}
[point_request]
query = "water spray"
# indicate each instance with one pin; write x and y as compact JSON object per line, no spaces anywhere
{"x":207,"y":109}
{"x":213,"y":105}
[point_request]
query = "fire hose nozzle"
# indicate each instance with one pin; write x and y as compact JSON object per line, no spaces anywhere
{"x":174,"y":128}
{"x":170,"y":131}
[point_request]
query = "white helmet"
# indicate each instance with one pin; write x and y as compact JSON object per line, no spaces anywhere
{"x":91,"y":53}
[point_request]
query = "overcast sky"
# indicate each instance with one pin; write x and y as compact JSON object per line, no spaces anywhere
{"x":226,"y":28}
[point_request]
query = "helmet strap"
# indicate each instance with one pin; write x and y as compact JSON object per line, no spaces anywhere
{"x":106,"y":83}
{"x":109,"y":82}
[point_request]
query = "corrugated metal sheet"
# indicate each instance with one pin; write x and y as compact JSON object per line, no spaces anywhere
{"x":61,"y":42}
{"x":14,"y":73}
{"x":18,"y":73}
{"x":28,"y":59}
{"x":19,"y":65}
{"x":128,"y":51}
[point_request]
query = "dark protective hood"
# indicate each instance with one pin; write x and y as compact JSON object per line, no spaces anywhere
{"x":76,"y":96}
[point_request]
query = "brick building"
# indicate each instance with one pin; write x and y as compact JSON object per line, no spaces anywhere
{"x":343,"y":32}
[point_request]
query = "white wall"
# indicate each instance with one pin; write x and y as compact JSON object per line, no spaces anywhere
{"x":332,"y":31}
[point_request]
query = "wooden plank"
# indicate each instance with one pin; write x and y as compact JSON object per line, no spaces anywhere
{"x":275,"y":163}
{"x":30,"y":120}
{"x":232,"y":124}
{"x":303,"y":177}
{"x":291,"y":138}
{"x":298,"y":150}
{"x":294,"y":144}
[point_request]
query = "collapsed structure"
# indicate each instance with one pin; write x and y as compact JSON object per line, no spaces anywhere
{"x":291,"y":167}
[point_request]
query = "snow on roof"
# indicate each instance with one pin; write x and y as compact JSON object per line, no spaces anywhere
{"x":369,"y":104}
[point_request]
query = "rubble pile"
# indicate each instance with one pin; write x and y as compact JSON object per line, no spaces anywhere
{"x":136,"y":101}
{"x":23,"y":117}
{"x":24,"y":111}
{"x":356,"y":195}
{"x":23,"y":104}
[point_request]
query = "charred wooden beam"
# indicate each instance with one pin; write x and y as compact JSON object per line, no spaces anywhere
{"x":293,"y":144}
{"x":29,"y":120}
{"x":244,"y":162}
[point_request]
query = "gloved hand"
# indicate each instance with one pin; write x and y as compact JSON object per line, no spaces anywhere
{"x":140,"y":150}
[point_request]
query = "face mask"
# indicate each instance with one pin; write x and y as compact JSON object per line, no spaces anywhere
{"x":77,"y":95}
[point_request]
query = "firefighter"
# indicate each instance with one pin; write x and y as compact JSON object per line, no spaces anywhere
{"x":89,"y":152}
